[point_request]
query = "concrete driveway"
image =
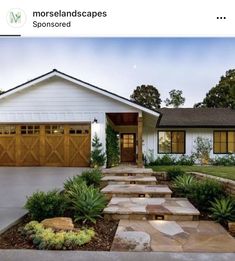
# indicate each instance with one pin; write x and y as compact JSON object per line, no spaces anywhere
{"x":18,"y":182}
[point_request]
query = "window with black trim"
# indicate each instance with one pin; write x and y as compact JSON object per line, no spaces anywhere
{"x":171,"y":142}
{"x":224,"y":142}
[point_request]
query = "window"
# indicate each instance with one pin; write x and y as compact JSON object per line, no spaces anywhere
{"x":54,"y":129}
{"x":128,"y":141}
{"x":7,"y":130}
{"x":79,"y":129}
{"x":172,"y":142}
{"x":224,"y":142}
{"x":29,"y":129}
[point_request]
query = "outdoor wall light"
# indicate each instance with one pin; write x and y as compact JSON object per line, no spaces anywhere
{"x":95,"y":120}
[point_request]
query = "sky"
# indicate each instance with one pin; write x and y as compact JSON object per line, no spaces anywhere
{"x":193,"y":65}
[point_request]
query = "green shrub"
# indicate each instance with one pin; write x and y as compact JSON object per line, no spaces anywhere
{"x":43,"y":205}
{"x":174,"y":172}
{"x":112,"y":147}
{"x":46,"y":238}
{"x":165,"y":160}
{"x":223,"y":210}
{"x":183,"y":185}
{"x":202,"y":148}
{"x":97,"y":155}
{"x":228,"y":160}
{"x":186,"y":160}
{"x":205,"y":191}
{"x":87,"y":203}
{"x":92,"y":177}
{"x":69,"y":182}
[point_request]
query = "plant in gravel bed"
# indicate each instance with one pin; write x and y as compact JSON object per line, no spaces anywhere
{"x":223,"y":210}
{"x":183,"y":184}
{"x":174,"y":172}
{"x":92,"y":177}
{"x":203,"y":192}
{"x":43,"y":205}
{"x":46,"y":238}
{"x":86,"y":202}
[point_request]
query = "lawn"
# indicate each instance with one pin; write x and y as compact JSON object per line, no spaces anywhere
{"x":219,"y":171}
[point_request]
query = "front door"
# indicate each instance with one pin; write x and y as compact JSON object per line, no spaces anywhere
{"x":128,"y":147}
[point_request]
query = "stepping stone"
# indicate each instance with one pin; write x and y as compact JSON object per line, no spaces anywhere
{"x":150,"y":209}
{"x":134,"y":190}
{"x":127,"y":171}
{"x":129,"y":180}
{"x":172,"y":236}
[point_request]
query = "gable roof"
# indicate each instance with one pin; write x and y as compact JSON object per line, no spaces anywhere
{"x":196,"y":117}
{"x":84,"y":84}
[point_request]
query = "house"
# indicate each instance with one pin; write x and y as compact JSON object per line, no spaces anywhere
{"x":51,"y":120}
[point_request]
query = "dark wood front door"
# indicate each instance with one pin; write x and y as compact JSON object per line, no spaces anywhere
{"x":128,"y":147}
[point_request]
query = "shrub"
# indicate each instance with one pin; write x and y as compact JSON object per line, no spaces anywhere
{"x":86,"y":202}
{"x":43,"y":205}
{"x":205,"y":191}
{"x":46,"y":238}
{"x":202,"y":147}
{"x":112,"y":147}
{"x":92,"y":177}
{"x":186,"y":160}
{"x":183,"y":184}
{"x":223,"y":210}
{"x":174,"y":172}
{"x":97,"y":155}
{"x":228,"y":160}
{"x":69,"y":182}
{"x":165,"y":160}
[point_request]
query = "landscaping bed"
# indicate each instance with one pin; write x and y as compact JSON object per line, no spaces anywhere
{"x":104,"y":234}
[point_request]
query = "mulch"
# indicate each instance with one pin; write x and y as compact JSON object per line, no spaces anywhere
{"x":104,"y":234}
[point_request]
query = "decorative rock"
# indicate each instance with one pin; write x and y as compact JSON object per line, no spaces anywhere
{"x":231,"y":228}
{"x":60,"y":223}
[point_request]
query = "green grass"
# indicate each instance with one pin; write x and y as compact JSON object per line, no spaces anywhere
{"x":219,"y":171}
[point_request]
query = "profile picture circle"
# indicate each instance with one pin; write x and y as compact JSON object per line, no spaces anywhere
{"x":16,"y":17}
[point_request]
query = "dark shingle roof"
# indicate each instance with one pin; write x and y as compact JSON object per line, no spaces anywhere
{"x":196,"y":117}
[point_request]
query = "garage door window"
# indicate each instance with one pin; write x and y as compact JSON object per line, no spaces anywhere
{"x":79,"y":129}
{"x":29,"y":129}
{"x":54,"y":129}
{"x":7,"y":130}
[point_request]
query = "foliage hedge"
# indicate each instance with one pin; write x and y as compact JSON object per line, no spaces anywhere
{"x":112,"y":147}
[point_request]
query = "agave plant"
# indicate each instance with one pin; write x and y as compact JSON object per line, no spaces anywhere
{"x":223,"y":210}
{"x":86,"y":202}
{"x":182,"y":184}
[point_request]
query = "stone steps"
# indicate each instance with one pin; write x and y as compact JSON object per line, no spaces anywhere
{"x":128,"y":171}
{"x":150,"y":209}
{"x":136,"y":190}
{"x":128,"y":180}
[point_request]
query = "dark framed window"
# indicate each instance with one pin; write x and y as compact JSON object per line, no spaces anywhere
{"x":7,"y":129}
{"x":79,"y":129}
{"x":171,"y":142}
{"x":224,"y":142}
{"x":54,"y":129}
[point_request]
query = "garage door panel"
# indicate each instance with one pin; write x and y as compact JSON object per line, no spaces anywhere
{"x":79,"y":150}
{"x":7,"y":150}
{"x":29,"y":150}
{"x":54,"y":151}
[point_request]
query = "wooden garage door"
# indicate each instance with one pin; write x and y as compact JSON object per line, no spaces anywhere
{"x":45,"y":145}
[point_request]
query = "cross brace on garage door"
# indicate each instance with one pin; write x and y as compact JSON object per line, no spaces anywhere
{"x":45,"y":145}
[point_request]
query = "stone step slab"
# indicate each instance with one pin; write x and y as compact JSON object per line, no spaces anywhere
{"x":127,"y":171}
{"x":150,"y":209}
{"x":172,"y":236}
{"x":149,"y":180}
{"x":136,"y":190}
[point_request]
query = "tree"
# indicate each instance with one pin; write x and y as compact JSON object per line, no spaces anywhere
{"x":97,"y":155}
{"x":202,"y":148}
{"x":112,"y":147}
{"x":176,"y":99}
{"x":148,"y":96}
{"x":223,"y":94}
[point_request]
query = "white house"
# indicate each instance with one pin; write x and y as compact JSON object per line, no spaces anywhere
{"x":51,"y":120}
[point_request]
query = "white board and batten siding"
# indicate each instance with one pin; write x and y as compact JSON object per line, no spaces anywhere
{"x":150,"y":139}
{"x":57,"y":100}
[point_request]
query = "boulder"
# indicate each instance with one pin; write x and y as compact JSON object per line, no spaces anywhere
{"x":58,"y":223}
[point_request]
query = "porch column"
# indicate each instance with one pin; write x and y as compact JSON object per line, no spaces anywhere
{"x":140,"y":138}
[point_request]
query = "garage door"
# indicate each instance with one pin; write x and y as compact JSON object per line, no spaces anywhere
{"x":45,"y":145}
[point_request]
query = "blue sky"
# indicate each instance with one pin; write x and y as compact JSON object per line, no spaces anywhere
{"x":193,"y":65}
